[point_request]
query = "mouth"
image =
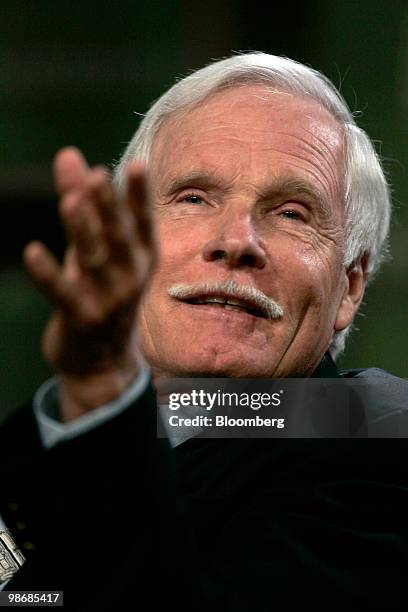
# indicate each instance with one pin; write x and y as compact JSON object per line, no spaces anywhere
{"x":227,"y":303}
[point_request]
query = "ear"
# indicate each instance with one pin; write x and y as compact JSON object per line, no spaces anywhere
{"x":356,"y":279}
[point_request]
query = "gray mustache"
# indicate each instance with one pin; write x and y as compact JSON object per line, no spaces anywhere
{"x":268,"y":306}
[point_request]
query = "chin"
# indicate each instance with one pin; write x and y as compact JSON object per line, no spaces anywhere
{"x":221,"y":366}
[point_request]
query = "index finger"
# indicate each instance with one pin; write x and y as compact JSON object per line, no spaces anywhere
{"x":70,"y":169}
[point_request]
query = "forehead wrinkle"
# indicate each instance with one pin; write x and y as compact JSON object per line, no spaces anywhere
{"x":226,"y":139}
{"x":322,"y":147}
{"x":313,"y":164}
{"x":329,"y":148}
{"x":321,"y":162}
{"x":317,"y":147}
{"x":328,"y":155}
{"x":318,"y":159}
{"x":329,"y":175}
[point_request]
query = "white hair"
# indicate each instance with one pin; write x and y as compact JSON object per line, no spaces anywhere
{"x":366,"y":198}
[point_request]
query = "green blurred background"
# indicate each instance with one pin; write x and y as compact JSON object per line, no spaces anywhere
{"x":76,"y":73}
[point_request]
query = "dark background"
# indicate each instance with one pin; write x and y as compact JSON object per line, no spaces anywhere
{"x":76,"y":73}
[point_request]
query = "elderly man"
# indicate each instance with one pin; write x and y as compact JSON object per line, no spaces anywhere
{"x":270,"y":212}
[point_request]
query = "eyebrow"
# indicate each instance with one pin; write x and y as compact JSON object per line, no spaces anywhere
{"x":205,"y":179}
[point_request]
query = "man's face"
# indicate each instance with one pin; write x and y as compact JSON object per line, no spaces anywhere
{"x":247,"y":187}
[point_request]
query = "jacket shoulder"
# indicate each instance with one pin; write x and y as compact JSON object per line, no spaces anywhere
{"x":384,"y":398}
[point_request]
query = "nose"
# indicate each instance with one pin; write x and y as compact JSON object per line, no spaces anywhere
{"x":236,"y":244}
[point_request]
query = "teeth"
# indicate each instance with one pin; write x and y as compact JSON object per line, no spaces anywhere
{"x":235,"y":303}
{"x":219,"y":300}
{"x":216,"y":300}
{"x":227,"y":303}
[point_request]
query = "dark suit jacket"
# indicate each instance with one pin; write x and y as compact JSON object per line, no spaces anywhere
{"x":115,"y":516}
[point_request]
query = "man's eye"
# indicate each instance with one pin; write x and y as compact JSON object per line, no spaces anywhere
{"x":291,"y":214}
{"x":192,"y":198}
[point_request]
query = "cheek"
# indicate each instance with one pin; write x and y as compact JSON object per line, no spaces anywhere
{"x":308,"y":279}
{"x":179,"y":249}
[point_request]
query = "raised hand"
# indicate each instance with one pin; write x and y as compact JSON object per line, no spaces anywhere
{"x":91,"y":337}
